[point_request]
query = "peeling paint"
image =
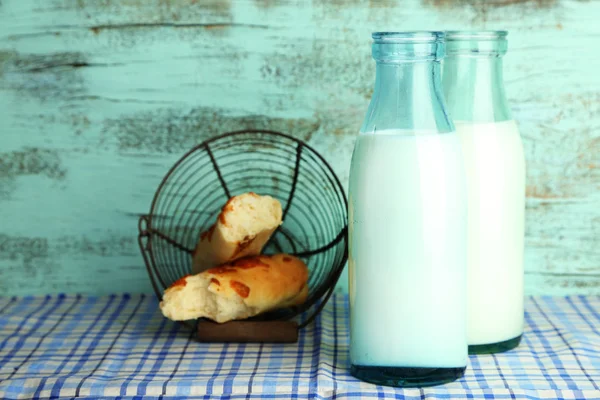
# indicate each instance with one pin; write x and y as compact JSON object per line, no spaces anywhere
{"x":111,"y":246}
{"x":173,"y":130}
{"x":484,"y":10}
{"x":29,"y":264}
{"x":36,"y":63}
{"x":303,"y":66}
{"x":151,"y":25}
{"x":491,"y":3}
{"x":266,"y":3}
{"x":153,"y":10}
{"x":576,"y":283}
{"x":47,"y":77}
{"x":540,"y":193}
{"x":32,"y":161}
{"x":381,"y":4}
{"x":26,"y":248}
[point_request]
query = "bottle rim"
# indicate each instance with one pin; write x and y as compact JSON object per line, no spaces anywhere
{"x":408,"y":37}
{"x":475,"y":35}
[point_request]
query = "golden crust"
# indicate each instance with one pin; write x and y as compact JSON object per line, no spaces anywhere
{"x":264,"y":282}
{"x":224,"y":242}
{"x":238,"y":290}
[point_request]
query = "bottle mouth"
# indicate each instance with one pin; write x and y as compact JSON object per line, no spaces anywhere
{"x":476,"y":43}
{"x":408,"y":37}
{"x":400,"y":47}
{"x":475,"y":35}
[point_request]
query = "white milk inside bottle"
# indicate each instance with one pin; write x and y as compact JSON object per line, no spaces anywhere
{"x":494,"y":162}
{"x":408,"y":294}
{"x":495,"y":167}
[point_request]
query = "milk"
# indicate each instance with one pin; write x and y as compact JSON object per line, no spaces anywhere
{"x":495,"y":167}
{"x":407,"y":253}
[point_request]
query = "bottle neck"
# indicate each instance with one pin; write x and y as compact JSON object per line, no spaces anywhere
{"x":474,"y":88}
{"x":408,"y":96}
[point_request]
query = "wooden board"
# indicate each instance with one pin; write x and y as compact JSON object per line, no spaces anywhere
{"x":99,"y":98}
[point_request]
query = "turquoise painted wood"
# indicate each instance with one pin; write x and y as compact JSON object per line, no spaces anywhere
{"x":99,"y":98}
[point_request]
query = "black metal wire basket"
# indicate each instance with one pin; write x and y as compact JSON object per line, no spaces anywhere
{"x":191,"y":195}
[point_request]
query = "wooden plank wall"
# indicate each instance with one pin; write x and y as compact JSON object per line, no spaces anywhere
{"x":99,"y":97}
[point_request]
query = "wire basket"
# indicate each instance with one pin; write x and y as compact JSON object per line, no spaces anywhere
{"x":191,"y":195}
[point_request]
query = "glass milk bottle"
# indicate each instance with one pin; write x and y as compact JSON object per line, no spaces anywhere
{"x":407,"y":223}
{"x":495,"y":167}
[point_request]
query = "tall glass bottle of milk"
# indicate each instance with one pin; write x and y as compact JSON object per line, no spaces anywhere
{"x":407,"y":223}
{"x":495,"y":167}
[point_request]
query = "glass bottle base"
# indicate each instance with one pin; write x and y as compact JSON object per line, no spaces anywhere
{"x":498,"y":347}
{"x":406,"y":376}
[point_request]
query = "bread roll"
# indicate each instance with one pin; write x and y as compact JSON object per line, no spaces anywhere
{"x":238,"y":290}
{"x":243,"y":227}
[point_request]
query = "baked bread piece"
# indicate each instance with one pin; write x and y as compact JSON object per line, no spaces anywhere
{"x":243,"y":227}
{"x":238,"y":290}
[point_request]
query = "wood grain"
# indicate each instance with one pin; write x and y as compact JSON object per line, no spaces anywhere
{"x":99,"y":98}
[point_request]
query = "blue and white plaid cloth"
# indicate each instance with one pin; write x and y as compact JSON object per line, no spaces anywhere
{"x":122,"y":347}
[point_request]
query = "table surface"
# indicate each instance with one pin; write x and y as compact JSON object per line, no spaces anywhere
{"x":121,"y":347}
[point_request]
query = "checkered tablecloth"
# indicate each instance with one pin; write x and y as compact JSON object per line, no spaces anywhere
{"x":122,"y":347}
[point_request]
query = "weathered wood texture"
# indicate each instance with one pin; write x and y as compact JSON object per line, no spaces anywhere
{"x":99,"y":98}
